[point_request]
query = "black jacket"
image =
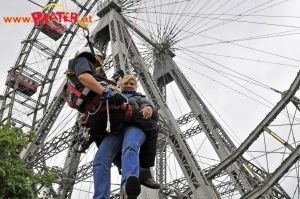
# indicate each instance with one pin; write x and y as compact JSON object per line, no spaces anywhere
{"x":140,"y":101}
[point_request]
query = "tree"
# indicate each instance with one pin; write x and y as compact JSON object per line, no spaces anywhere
{"x":18,"y":181}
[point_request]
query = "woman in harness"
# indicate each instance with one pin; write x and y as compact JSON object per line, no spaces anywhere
{"x":84,"y":72}
{"x":143,"y":116}
{"x":135,"y":170}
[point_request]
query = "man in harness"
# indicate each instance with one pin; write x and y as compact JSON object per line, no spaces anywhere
{"x":84,"y":74}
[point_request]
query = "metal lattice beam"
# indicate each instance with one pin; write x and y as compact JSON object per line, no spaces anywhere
{"x":259,"y":129}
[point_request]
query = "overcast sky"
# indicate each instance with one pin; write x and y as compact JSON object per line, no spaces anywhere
{"x":12,"y":34}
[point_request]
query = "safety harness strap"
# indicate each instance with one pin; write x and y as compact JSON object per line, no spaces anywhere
{"x":75,"y":91}
{"x":128,"y":113}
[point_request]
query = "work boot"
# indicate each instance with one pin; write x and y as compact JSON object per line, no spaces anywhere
{"x":132,"y":188}
{"x":147,"y":180}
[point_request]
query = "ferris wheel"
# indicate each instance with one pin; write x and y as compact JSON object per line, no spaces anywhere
{"x":223,"y":74}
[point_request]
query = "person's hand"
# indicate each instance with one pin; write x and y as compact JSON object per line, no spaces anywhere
{"x":107,"y":93}
{"x":114,"y":97}
{"x":147,"y":112}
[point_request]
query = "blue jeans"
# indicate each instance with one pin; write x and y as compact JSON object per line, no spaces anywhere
{"x":130,"y":143}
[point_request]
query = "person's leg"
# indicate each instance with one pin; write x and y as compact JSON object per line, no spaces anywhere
{"x":147,"y":160}
{"x":149,"y":147}
{"x":106,"y":152}
{"x":133,"y":139}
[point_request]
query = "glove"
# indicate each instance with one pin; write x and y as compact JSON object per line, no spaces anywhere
{"x":107,"y":93}
{"x":114,"y":97}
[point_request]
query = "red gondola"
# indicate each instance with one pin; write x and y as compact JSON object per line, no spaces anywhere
{"x":52,"y":29}
{"x":25,"y":84}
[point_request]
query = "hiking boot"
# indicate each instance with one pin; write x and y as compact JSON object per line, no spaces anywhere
{"x":147,"y":180}
{"x":132,"y":188}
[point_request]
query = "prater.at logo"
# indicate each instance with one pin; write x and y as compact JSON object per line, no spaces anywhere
{"x":54,"y":20}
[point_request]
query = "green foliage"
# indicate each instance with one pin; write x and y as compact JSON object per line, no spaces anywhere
{"x":18,"y":181}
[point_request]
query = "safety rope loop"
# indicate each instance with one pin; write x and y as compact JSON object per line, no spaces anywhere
{"x":98,"y":108}
{"x":90,"y":45}
{"x":86,"y":33}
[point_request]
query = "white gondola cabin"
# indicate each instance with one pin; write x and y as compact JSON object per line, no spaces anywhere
{"x":25,"y":85}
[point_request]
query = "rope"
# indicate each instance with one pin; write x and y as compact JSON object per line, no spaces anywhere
{"x":98,"y":108}
{"x":108,"y":118}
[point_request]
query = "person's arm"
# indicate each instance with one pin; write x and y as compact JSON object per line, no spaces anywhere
{"x":147,"y":112}
{"x":83,"y":70}
{"x":91,"y":83}
{"x":146,"y":107}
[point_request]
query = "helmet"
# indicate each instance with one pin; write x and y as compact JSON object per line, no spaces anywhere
{"x":87,"y":49}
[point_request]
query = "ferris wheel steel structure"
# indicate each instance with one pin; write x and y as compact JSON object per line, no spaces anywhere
{"x":235,"y":176}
